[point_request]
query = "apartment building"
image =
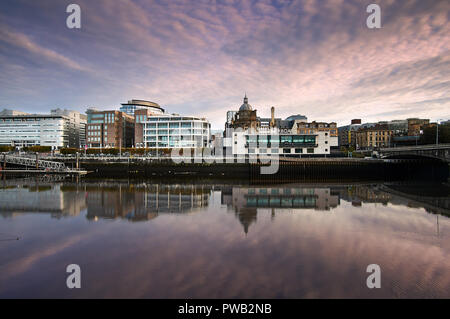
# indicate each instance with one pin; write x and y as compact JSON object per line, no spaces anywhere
{"x":374,"y":137}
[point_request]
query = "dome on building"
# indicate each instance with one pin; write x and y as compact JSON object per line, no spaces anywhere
{"x":245,"y":106}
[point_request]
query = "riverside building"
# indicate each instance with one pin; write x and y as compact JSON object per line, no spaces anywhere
{"x":109,"y":129}
{"x":140,"y":117}
{"x":167,"y":131}
{"x":247,"y":134}
{"x":59,"y":129}
{"x":373,"y":137}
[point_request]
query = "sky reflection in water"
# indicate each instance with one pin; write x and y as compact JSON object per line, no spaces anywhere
{"x":219,"y":241}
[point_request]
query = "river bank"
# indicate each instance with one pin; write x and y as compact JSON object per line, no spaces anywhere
{"x":282,"y":171}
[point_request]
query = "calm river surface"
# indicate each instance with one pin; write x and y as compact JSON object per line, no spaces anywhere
{"x":212,"y":240}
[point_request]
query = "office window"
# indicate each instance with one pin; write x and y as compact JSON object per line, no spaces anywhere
{"x":286,"y":139}
{"x":298,"y":150}
{"x":310,"y":151}
{"x":251,"y":139}
{"x":310,"y":139}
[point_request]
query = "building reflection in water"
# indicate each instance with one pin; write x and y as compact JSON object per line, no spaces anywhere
{"x":246,"y":201}
{"x":36,"y":196}
{"x":144,"y":202}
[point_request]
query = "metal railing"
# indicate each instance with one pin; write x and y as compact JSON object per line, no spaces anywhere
{"x":25,"y":161}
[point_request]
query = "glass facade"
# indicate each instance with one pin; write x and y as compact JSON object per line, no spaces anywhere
{"x":133,"y":105}
{"x":280,"y":140}
{"x":35,"y":131}
{"x":176,"y":132}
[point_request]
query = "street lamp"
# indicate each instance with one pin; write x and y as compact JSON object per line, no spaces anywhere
{"x":437,"y":130}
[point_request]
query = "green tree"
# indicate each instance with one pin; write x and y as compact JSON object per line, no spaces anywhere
{"x":66,"y":151}
{"x":6,"y":149}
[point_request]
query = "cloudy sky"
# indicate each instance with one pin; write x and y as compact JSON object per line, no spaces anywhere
{"x":199,"y":57}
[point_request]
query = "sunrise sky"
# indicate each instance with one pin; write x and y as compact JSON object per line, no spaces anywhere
{"x":199,"y":57}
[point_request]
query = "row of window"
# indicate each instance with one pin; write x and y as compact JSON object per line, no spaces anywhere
{"x":175,"y":138}
{"x":176,"y":132}
{"x":307,"y":139}
{"x":281,"y":202}
{"x":379,"y":133}
{"x":285,"y":151}
{"x":32,"y":125}
{"x":109,"y":118}
{"x":28,"y":120}
{"x":285,"y":191}
{"x":166,"y":144}
{"x":177,"y":125}
{"x":28,"y":131}
{"x":172,"y":119}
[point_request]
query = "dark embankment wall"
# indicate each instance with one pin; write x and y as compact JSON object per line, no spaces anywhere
{"x":304,"y":170}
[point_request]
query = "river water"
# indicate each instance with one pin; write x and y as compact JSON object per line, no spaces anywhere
{"x":144,"y":239}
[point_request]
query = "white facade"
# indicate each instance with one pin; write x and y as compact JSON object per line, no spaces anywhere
{"x":77,"y":126}
{"x":175,"y":131}
{"x":55,"y":130}
{"x":270,"y":141}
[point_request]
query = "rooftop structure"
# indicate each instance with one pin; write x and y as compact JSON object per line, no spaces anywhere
{"x":134,"y":105}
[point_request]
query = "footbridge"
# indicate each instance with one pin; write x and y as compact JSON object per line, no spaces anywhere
{"x":31,"y":162}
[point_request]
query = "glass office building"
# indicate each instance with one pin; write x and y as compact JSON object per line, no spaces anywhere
{"x":60,"y":128}
{"x":175,"y":131}
{"x":133,"y":105}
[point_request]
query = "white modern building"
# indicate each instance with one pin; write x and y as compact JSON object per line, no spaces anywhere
{"x":252,"y":142}
{"x":60,"y":128}
{"x":175,"y":131}
{"x":77,"y":126}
